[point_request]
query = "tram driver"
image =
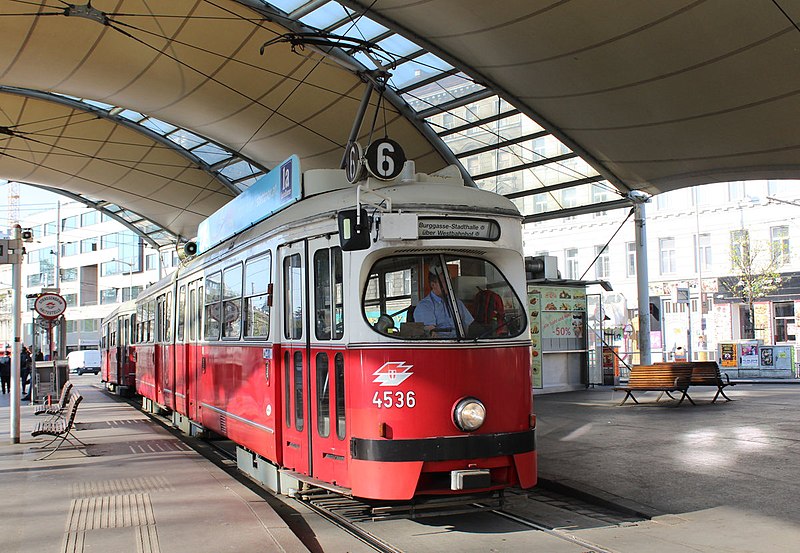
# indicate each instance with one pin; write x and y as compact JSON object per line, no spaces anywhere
{"x":435,"y":310}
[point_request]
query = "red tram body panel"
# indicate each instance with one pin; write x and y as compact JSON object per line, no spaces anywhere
{"x":118,"y":356}
{"x":394,"y":368}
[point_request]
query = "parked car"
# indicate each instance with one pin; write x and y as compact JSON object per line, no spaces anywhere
{"x":84,"y":361}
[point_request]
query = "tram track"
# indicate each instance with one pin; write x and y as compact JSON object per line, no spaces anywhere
{"x":560,"y":534}
{"x":372,"y":524}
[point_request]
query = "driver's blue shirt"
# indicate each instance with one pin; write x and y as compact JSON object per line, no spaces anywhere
{"x":433,"y":311}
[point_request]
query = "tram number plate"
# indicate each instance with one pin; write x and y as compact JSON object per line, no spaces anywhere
{"x":397,"y":400}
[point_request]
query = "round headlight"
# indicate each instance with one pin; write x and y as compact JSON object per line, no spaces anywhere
{"x":469,"y":414}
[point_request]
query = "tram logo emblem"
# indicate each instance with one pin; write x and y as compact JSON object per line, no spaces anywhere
{"x":392,"y":373}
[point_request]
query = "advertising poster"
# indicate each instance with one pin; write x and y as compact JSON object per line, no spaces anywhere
{"x":559,"y":324}
{"x":534,"y":313}
{"x":727,"y":355}
{"x":782,"y":357}
{"x":748,"y":356}
{"x":767,"y":357}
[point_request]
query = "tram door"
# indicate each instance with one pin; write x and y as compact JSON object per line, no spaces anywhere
{"x":326,"y":360}
{"x":192,"y":354}
{"x":164,"y":367}
{"x":294,"y":351}
{"x":115,"y":361}
{"x":126,"y":373}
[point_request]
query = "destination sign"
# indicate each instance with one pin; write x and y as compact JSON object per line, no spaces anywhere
{"x":269,"y":194}
{"x":452,"y":227}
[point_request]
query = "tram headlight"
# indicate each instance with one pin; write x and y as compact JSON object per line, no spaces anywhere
{"x":469,"y":414}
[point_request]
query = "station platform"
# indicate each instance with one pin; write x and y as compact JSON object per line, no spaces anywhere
{"x":140,"y":490}
{"x":709,"y":477}
{"x":717,"y":476}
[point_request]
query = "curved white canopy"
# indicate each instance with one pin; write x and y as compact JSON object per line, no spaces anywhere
{"x":635,"y":95}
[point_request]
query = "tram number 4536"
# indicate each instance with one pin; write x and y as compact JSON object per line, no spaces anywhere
{"x":398,"y":400}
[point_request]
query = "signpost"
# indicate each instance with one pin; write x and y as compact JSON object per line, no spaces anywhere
{"x":50,"y":306}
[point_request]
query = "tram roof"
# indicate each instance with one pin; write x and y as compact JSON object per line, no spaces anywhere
{"x":161,"y":112}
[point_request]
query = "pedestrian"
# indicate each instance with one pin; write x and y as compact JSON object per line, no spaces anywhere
{"x":5,"y":372}
{"x":25,"y":370}
{"x":39,"y":355}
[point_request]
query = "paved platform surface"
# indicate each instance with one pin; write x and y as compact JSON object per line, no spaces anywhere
{"x":716,"y":477}
{"x":720,"y":477}
{"x":140,"y":490}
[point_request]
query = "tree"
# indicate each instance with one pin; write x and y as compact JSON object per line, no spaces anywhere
{"x":755,"y":273}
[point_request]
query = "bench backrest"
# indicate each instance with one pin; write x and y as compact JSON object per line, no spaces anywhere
{"x":659,"y":376}
{"x":703,"y":372}
{"x":65,"y":390}
{"x":72,"y":408}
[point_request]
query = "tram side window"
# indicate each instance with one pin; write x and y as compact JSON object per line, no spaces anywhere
{"x":328,"y":294}
{"x":257,"y":292}
{"x":212,"y":303}
{"x":150,"y":325}
{"x":160,"y":318}
{"x":293,"y":297}
{"x":323,"y":395}
{"x":232,"y":302}
{"x":138,"y":330}
{"x":338,"y":368}
{"x":180,"y":331}
{"x":193,"y":320}
{"x":168,"y":318}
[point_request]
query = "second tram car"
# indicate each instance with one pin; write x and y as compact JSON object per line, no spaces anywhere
{"x":371,"y":338}
{"x":117,"y":360}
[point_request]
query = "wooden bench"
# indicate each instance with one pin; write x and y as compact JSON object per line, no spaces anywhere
{"x":707,"y":373}
{"x":658,"y":378}
{"x":60,"y":427}
{"x":55,"y":410}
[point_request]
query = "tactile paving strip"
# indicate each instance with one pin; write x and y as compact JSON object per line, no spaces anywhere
{"x":115,"y":511}
{"x":121,"y":486}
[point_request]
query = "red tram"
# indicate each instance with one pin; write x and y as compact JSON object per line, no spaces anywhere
{"x":309,"y":337}
{"x":117,"y":362}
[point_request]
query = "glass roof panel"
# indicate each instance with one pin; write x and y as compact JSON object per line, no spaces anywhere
{"x":244,"y":184}
{"x":364,"y":60}
{"x":95,"y":103}
{"x":529,"y":179}
{"x":364,"y":28}
{"x":441,"y":91}
{"x":422,"y":67}
{"x":463,"y":124}
{"x":158,"y":126}
{"x":131,"y":115}
{"x":399,"y":45}
{"x":211,"y":153}
{"x":238,"y":170}
{"x":186,"y":139}
{"x":577,"y":196}
{"x":326,"y":15}
{"x":162,"y":237}
{"x":287,"y":5}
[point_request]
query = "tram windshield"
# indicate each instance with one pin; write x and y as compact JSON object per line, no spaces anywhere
{"x":441,"y":297}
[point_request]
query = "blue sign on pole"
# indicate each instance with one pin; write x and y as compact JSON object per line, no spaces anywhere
{"x":271,"y":193}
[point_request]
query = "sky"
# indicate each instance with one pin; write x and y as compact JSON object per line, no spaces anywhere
{"x":31,"y":200}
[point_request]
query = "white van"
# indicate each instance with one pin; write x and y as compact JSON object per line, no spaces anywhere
{"x":84,"y":361}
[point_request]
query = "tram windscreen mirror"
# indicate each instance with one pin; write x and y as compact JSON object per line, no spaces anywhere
{"x":353,"y":235}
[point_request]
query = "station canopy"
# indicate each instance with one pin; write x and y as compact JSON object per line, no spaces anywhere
{"x":159,"y":112}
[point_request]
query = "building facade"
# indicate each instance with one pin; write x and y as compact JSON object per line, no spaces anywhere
{"x":693,"y":236}
{"x":93,"y":261}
